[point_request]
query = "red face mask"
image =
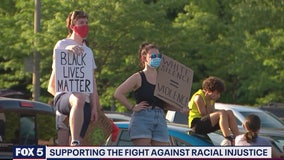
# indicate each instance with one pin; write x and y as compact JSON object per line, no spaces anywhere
{"x":82,"y":31}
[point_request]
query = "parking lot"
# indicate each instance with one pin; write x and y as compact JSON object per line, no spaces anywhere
{"x":26,"y":122}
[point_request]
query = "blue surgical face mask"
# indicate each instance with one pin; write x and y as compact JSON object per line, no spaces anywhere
{"x":155,"y":62}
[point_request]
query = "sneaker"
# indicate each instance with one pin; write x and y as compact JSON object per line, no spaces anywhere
{"x":75,"y":143}
{"x":226,"y":142}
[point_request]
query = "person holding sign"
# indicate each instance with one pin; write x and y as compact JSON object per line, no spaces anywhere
{"x":252,"y":125}
{"x":148,"y":125}
{"x":204,"y":119}
{"x":80,"y":107}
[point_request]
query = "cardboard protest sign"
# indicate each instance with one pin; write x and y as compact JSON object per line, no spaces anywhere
{"x":98,"y":132}
{"x":174,"y":81}
{"x":74,"y":73}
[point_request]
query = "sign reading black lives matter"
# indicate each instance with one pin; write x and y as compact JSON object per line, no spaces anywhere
{"x":174,"y":81}
{"x":73,"y":72}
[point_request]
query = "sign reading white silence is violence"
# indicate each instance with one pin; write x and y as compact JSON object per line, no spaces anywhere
{"x":174,"y":81}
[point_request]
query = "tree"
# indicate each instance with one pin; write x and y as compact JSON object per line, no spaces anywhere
{"x":239,"y":41}
{"x":228,"y":37}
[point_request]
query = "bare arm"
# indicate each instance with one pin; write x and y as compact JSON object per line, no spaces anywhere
{"x":211,"y":109}
{"x":200,"y":105}
{"x":132,"y":83}
{"x":95,"y":102}
{"x":51,"y":84}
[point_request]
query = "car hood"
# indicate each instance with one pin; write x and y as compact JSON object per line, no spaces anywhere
{"x":271,"y":131}
{"x":268,"y":131}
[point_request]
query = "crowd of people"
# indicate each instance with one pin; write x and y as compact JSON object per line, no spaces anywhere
{"x":148,"y":125}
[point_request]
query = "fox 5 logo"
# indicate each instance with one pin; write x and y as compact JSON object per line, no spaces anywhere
{"x":29,"y":152}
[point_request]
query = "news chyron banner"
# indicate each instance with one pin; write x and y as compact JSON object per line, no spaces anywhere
{"x":73,"y":72}
{"x":60,"y":152}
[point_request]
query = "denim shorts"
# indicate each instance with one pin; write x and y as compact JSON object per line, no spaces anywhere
{"x":149,"y":123}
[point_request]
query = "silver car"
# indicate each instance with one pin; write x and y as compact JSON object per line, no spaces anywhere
{"x":271,"y":126}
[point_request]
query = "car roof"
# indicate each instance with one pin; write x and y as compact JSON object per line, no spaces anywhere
{"x":275,"y":108}
{"x":236,"y":107}
{"x":10,"y":92}
{"x":24,"y":106}
{"x":117,"y":116}
{"x":179,"y":130}
{"x":180,"y":127}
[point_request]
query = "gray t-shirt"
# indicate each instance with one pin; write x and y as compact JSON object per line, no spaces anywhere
{"x":260,"y":141}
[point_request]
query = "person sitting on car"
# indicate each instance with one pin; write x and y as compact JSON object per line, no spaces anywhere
{"x":204,"y":119}
{"x":251,"y":138}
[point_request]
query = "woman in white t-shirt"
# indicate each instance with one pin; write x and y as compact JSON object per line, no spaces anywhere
{"x":251,"y":138}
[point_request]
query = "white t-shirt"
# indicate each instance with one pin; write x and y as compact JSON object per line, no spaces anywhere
{"x":62,"y":44}
{"x":259,"y":141}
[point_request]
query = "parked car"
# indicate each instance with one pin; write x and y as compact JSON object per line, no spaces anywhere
{"x":10,"y":93}
{"x":275,"y":108}
{"x":180,"y":135}
{"x":176,"y":117}
{"x":271,"y":126}
{"x":268,"y":121}
{"x":117,"y":116}
{"x":23,"y":122}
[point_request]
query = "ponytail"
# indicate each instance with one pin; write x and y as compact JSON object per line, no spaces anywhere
{"x":250,"y":136}
{"x":252,"y":124}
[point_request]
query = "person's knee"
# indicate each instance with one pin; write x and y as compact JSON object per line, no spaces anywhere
{"x":222,"y":113}
{"x":230,"y":113}
{"x":79,"y":96}
{"x":77,"y":99}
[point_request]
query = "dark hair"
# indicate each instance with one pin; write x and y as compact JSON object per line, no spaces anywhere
{"x":143,"y":50}
{"x":252,"y":123}
{"x":71,"y":19}
{"x":213,"y":83}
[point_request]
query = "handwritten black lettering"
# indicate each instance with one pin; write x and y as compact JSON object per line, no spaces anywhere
{"x":74,"y":85}
{"x":73,"y":72}
{"x":175,"y":70}
{"x":172,"y":94}
{"x":72,"y":59}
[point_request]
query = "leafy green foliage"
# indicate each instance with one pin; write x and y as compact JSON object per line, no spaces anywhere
{"x":239,"y":41}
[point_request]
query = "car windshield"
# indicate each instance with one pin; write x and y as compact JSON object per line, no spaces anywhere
{"x":267,"y":121}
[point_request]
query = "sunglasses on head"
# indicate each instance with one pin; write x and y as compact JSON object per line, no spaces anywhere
{"x":78,"y":13}
{"x":153,"y":55}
